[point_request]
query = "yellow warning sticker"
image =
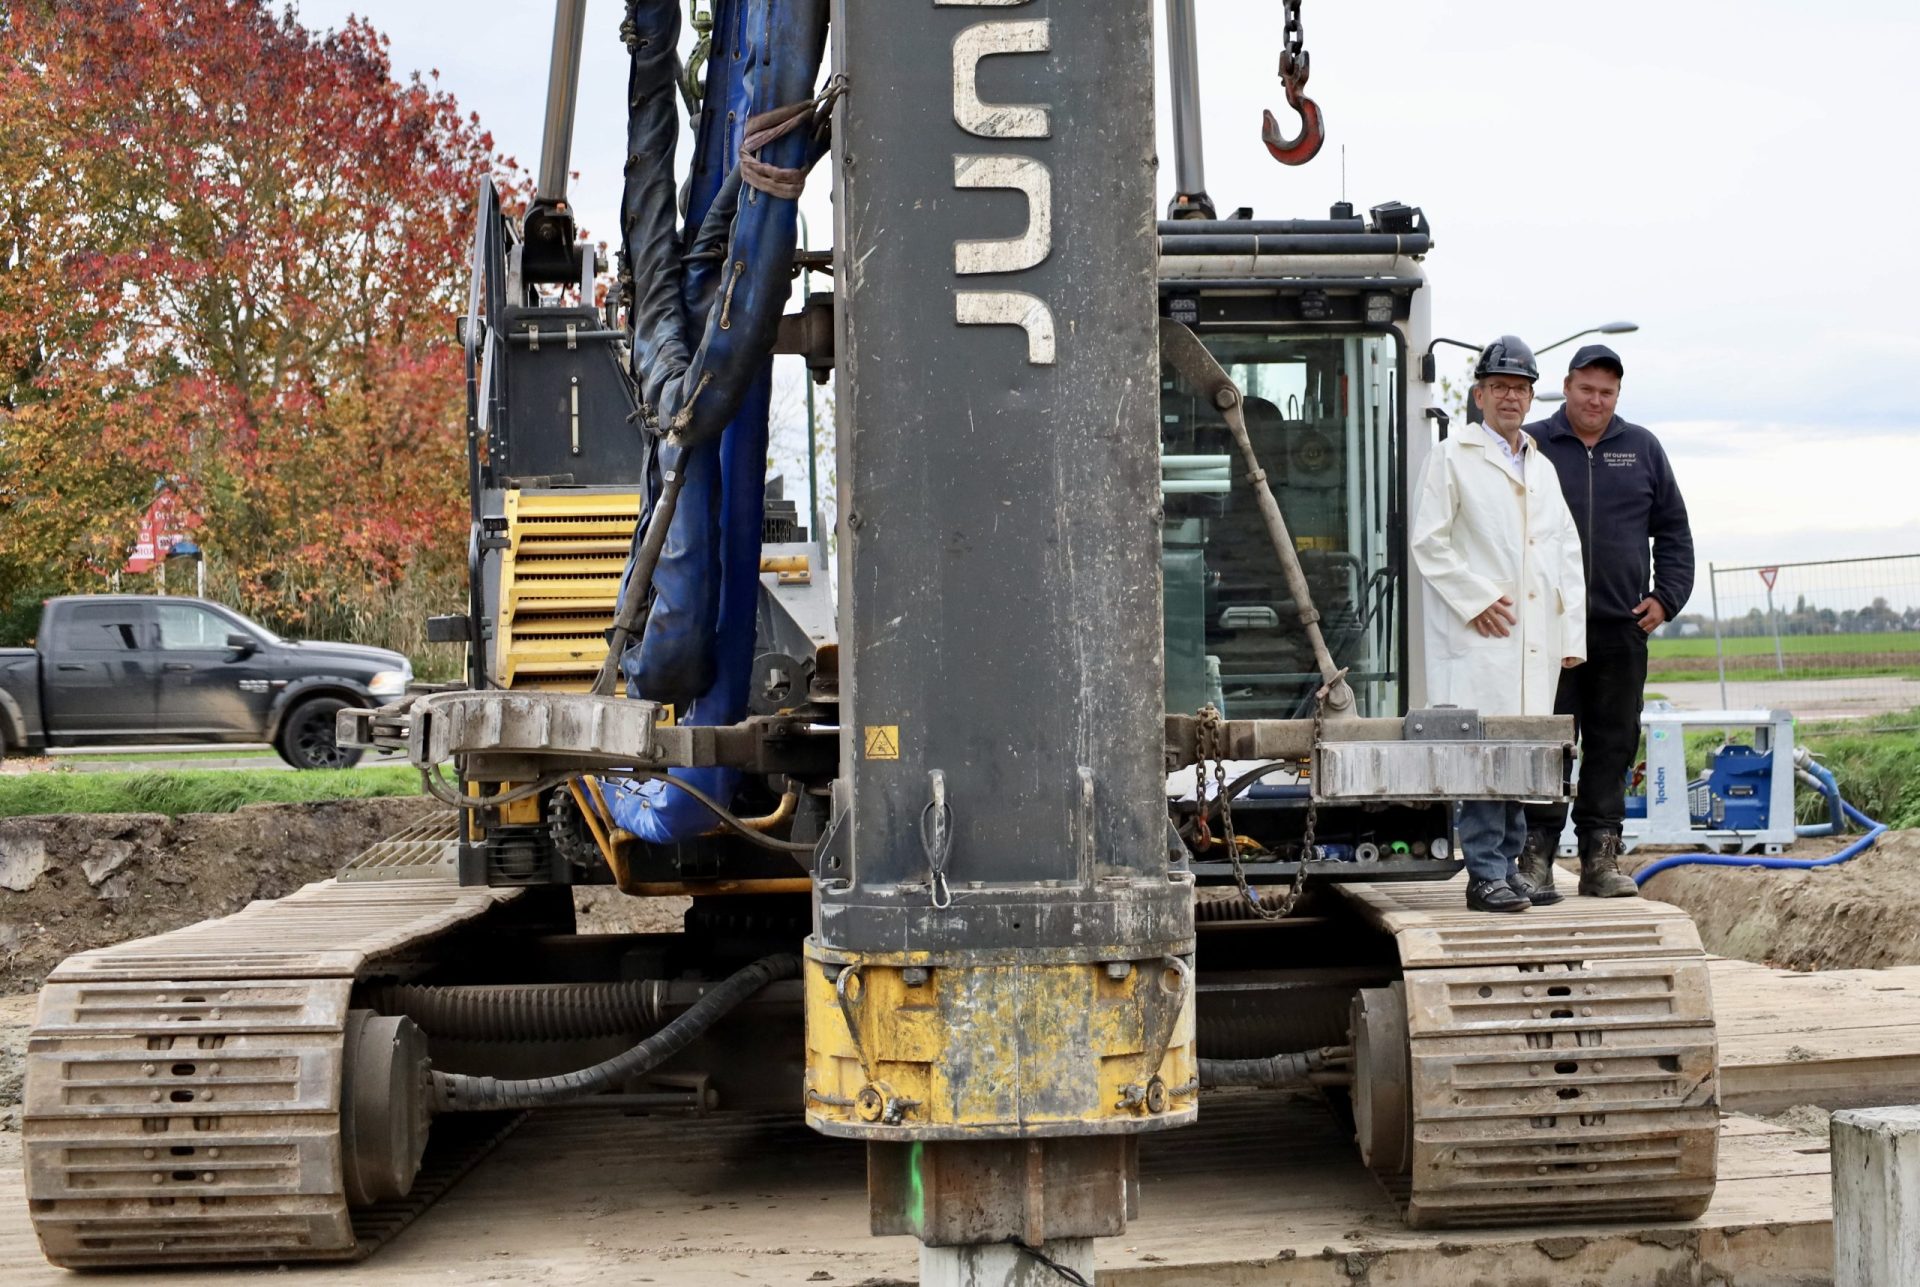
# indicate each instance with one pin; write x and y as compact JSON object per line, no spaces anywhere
{"x":883,"y":741}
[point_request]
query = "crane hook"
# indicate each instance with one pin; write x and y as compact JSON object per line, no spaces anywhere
{"x":1305,"y":145}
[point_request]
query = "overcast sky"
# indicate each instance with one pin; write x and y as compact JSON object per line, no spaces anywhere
{"x":1735,"y":177}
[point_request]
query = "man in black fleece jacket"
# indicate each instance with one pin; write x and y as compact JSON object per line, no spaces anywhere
{"x":1620,"y":487}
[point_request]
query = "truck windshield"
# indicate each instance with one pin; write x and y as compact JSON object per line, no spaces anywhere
{"x":1323,"y":415}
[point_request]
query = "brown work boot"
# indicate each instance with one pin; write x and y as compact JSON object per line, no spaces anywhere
{"x":1600,"y":875}
{"x":1536,"y":866}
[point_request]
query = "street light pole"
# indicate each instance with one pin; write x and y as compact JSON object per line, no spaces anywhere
{"x":1428,"y":366}
{"x":1605,"y":328}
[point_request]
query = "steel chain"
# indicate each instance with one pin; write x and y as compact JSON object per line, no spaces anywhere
{"x":1299,"y":886}
{"x":1202,"y":740}
{"x":1209,"y":743}
{"x":1294,"y":61}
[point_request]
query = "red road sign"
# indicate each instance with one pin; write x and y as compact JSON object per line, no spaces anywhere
{"x":1769,"y":575}
{"x":166,"y":523}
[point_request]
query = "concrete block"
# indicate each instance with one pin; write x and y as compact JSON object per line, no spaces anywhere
{"x":1002,"y":1265}
{"x":1876,"y":1197}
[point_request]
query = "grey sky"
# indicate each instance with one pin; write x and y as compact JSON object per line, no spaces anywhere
{"x":1732,"y":176}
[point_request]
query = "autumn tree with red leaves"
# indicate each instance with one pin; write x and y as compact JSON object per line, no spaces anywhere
{"x":231,"y":251}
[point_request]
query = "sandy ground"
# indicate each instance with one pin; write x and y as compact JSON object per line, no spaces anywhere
{"x":602,"y":909}
{"x":16,"y":1016}
{"x":1809,"y":699}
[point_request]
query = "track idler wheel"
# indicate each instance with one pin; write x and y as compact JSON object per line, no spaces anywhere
{"x":1382,"y":1079}
{"x":385,"y":1091}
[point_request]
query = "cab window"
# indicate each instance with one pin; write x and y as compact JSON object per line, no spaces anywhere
{"x":184,"y":627}
{"x":1322,"y":411}
{"x":103,"y":627}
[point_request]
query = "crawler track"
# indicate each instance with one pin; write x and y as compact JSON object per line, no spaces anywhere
{"x":183,"y":1092}
{"x":1558,"y":1065}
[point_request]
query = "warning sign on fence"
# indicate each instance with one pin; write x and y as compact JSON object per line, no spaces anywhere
{"x":1769,"y":575}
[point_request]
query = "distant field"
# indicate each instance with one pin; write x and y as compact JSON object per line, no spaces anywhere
{"x":1907,"y":641}
{"x":1806,"y":656}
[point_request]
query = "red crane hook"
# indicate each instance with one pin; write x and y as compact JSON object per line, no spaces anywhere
{"x":1305,"y":145}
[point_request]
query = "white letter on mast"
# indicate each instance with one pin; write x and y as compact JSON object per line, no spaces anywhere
{"x":1010,"y":308}
{"x":1022,"y":174}
{"x":1007,"y":254}
{"x":997,"y":120}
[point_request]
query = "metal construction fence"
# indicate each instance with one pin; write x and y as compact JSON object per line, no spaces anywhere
{"x":1834,"y":639}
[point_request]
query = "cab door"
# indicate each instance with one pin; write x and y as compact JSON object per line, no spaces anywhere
{"x":97,"y":671}
{"x":207,"y":688}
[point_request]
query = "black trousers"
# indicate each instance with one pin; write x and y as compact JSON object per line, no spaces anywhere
{"x":1604,"y":695}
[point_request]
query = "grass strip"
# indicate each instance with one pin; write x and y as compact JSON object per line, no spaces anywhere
{"x":1658,"y":674}
{"x":1876,"y":762}
{"x":1861,"y":646}
{"x":194,"y":791}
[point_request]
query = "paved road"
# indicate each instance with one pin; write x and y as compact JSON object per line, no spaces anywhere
{"x":241,"y":760}
{"x":1809,"y":699}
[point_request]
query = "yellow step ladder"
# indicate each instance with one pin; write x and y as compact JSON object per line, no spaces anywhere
{"x":559,"y":585}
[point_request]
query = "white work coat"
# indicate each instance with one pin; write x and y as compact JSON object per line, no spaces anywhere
{"x":1479,"y":533}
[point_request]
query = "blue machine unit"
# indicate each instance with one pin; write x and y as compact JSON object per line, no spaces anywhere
{"x":1733,"y":795}
{"x":1744,"y":802}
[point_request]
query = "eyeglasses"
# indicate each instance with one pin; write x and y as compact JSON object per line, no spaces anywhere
{"x":1521,"y":391}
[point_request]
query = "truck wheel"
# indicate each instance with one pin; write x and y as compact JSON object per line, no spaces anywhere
{"x":306,"y":738}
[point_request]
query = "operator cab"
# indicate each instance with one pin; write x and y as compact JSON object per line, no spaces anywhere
{"x":1314,"y":320}
{"x":1323,"y":412}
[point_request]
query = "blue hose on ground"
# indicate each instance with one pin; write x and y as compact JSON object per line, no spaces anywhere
{"x":1854,"y":850}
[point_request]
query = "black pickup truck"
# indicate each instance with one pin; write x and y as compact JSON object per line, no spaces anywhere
{"x":114,"y":669}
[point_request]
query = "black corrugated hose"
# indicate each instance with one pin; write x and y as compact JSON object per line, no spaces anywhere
{"x":463,"y":1093}
{"x":525,"y":1012}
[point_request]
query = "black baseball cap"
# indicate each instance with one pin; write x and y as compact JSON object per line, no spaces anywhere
{"x":1597,"y":355}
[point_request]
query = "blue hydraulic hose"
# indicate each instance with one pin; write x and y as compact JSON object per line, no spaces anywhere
{"x":1854,"y":850}
{"x":1817,"y":776}
{"x":708,"y":303}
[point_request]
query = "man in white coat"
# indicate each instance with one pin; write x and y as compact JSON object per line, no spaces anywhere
{"x":1504,"y":594}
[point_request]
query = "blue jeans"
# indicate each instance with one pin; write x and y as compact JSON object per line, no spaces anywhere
{"x":1491,"y":835}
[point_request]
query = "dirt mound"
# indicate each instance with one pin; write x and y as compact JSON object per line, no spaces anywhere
{"x":1863,"y":914}
{"x":69,"y":882}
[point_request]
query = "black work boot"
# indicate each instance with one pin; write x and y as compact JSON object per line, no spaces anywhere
{"x":1495,"y":896}
{"x":1538,"y":895}
{"x":1536,"y":867}
{"x":1600,"y":875}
